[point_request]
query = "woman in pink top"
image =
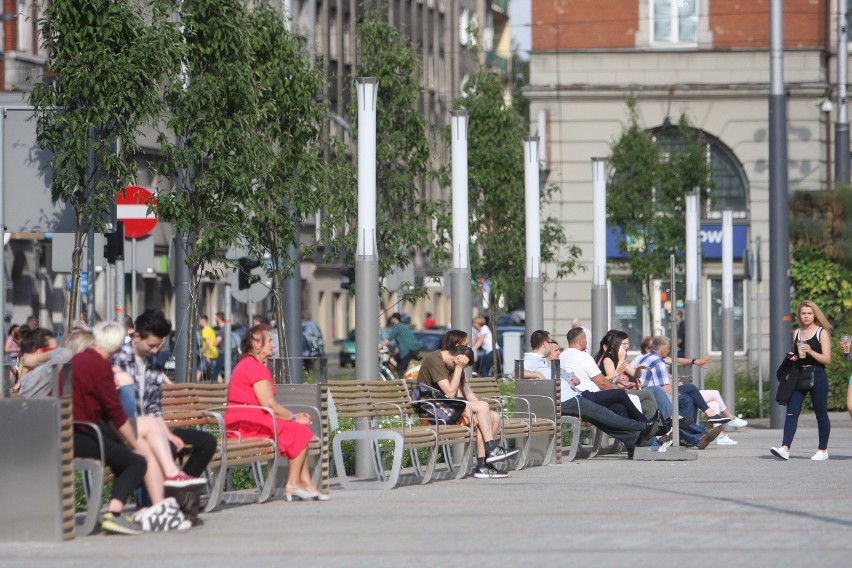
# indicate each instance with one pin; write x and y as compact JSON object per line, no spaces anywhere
{"x":251,"y":385}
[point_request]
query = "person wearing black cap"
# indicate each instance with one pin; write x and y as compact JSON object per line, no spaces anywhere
{"x":407,"y":344}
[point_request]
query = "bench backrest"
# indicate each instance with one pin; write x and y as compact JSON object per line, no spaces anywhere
{"x":360,"y":399}
{"x":183,"y":403}
{"x":483,"y":386}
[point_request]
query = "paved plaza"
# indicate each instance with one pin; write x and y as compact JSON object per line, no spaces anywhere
{"x":734,"y":505}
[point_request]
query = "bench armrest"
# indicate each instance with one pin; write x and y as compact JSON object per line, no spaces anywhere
{"x":311,"y":410}
{"x":216,"y":412}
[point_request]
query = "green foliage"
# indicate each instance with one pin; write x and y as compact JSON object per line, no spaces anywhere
{"x":821,"y":238}
{"x":496,"y":194}
{"x":106,"y":59}
{"x":646,"y":194}
{"x":208,"y":149}
{"x":815,"y":276}
{"x":210,"y":113}
{"x":823,"y":220}
{"x":291,"y":173}
{"x":404,"y":219}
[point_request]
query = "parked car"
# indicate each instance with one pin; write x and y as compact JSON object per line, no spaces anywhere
{"x":313,"y":345}
{"x":347,"y":350}
{"x":347,"y":347}
{"x":430,"y":339}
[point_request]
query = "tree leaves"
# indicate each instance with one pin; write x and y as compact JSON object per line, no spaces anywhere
{"x":645,"y":196}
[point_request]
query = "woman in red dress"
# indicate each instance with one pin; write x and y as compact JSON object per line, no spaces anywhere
{"x":251,"y":385}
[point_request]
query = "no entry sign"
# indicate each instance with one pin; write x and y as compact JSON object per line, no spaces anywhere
{"x":132,"y":210}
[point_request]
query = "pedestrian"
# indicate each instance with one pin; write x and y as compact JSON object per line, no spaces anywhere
{"x":430,"y":321}
{"x":811,"y":352}
{"x":408,"y":345}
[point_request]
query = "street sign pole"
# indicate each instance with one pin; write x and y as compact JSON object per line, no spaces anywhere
{"x":133,"y":311}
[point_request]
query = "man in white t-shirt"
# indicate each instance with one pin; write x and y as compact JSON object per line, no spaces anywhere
{"x":577,"y":324}
{"x":537,"y":365}
{"x":593,"y":385}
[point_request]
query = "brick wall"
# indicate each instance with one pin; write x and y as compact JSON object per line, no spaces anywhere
{"x":584,"y":24}
{"x":597,"y":24}
{"x":738,"y":24}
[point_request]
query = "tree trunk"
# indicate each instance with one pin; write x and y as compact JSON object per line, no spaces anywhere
{"x":278,"y":310}
{"x":76,"y":261}
{"x":192,"y":325}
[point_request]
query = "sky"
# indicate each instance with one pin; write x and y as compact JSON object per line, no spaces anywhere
{"x":519,"y":19}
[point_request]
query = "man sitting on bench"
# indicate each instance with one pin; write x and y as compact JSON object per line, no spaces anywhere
{"x":445,"y":370}
{"x":537,"y":365}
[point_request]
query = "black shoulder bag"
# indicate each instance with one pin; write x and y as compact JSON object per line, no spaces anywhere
{"x":434,"y":406}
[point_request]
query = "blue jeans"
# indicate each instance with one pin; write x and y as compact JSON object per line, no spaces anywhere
{"x":620,"y":428}
{"x":664,"y":403}
{"x":819,"y":398}
{"x":127,"y":397}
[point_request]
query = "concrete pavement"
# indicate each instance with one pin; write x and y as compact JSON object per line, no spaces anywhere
{"x":733,"y":505}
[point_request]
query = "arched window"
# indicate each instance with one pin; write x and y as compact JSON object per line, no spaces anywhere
{"x":729,"y":186}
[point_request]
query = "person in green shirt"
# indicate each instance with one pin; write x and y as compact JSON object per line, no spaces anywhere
{"x":407,"y":344}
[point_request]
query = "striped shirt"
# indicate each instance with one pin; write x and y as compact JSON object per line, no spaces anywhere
{"x":657,"y":372}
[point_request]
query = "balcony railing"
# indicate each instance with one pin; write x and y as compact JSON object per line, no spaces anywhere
{"x":501,"y":6}
{"x":497,"y":62}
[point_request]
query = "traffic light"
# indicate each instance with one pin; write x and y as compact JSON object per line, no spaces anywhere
{"x":347,"y":277}
{"x":114,"y":247}
{"x":244,"y":272}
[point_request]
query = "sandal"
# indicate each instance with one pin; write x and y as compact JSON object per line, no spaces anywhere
{"x":296,"y":493}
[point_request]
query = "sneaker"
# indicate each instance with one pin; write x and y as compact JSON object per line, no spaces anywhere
{"x":725,"y":440}
{"x":488,"y":471}
{"x":737,"y":422}
{"x":183,"y":480}
{"x":499,"y":453}
{"x":164,"y":516}
{"x":780,"y":452}
{"x":665,"y":445}
{"x":719,"y":419}
{"x":708,"y":437}
{"x":120,"y":523}
{"x":820,"y":455}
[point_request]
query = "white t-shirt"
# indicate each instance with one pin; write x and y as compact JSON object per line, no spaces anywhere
{"x":582,"y":365}
{"x":486,"y":342}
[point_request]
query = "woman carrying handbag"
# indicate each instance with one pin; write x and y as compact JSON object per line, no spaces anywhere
{"x":812,"y":352}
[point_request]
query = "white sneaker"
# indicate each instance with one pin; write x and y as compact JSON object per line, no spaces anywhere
{"x":725,"y":440}
{"x":780,"y":452}
{"x":737,"y":422}
{"x":820,"y":455}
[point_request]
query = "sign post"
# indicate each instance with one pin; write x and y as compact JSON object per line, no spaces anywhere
{"x":132,"y":210}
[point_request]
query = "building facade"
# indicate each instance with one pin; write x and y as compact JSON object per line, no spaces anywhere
{"x":708,"y":60}
{"x":442,"y":31}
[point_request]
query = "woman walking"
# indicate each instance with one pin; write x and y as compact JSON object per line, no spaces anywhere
{"x":811,"y":352}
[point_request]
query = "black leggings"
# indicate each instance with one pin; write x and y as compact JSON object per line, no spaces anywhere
{"x":616,"y":400}
{"x":201,"y":447}
{"x":129,"y":468}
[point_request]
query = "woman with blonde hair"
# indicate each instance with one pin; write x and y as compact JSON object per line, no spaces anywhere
{"x":812,"y":352}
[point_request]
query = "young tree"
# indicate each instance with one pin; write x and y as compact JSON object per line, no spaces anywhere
{"x":645,"y":196}
{"x":106,"y":60}
{"x":496,"y":194}
{"x":405,"y":219}
{"x":291,"y":176}
{"x":208,"y":148}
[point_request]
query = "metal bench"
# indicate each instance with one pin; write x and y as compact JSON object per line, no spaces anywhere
{"x":387,"y":409}
{"x":522,"y":423}
{"x":201,"y":405}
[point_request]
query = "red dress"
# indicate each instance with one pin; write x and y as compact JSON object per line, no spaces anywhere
{"x":293,"y":437}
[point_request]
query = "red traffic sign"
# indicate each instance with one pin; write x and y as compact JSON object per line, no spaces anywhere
{"x":132,"y":210}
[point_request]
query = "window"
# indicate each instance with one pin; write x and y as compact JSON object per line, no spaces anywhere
{"x":728,"y":183}
{"x":714,"y":315}
{"x":626,"y":310}
{"x":674,"y":22}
